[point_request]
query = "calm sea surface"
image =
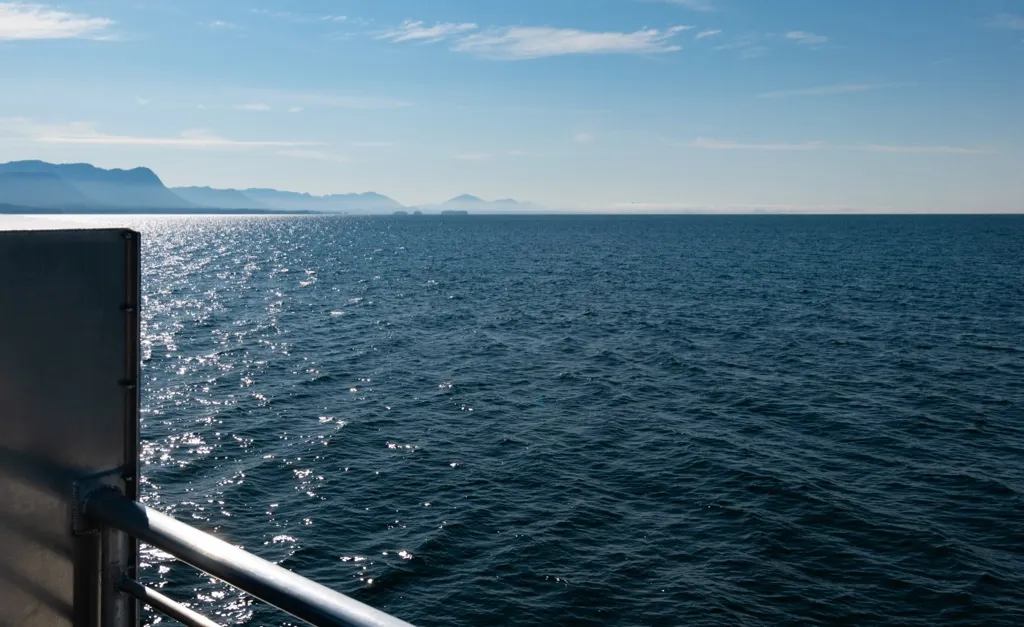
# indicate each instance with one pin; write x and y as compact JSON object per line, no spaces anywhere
{"x":596,"y":420}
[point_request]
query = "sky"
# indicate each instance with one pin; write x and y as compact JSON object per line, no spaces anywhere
{"x":599,"y":105}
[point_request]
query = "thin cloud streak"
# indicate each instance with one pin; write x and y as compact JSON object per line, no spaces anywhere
{"x":178,"y":142}
{"x":746,"y":47}
{"x":302,"y":18}
{"x":520,"y":43}
{"x":705,"y":143}
{"x":324,"y":99}
{"x":315,"y":155}
{"x":223,"y":25}
{"x":523,"y":42}
{"x":25,"y":21}
{"x":827,"y":90}
{"x":707,"y":33}
{"x":805,"y":38}
{"x":417,"y":31}
{"x":694,"y":5}
{"x":256,"y":106}
{"x":723,"y":144}
{"x":1007,"y":21}
{"x":86,"y":133}
{"x":922,"y":150}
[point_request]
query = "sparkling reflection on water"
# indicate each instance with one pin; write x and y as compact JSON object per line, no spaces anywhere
{"x":692,"y":420}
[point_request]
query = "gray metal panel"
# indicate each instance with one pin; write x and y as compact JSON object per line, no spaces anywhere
{"x":68,"y":416}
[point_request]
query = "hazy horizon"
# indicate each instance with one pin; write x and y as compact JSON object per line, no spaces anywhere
{"x":640,"y":106}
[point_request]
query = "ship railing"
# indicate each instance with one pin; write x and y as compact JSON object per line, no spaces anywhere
{"x":302,"y":598}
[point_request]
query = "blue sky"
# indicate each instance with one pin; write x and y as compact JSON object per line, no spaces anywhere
{"x":633,"y":105}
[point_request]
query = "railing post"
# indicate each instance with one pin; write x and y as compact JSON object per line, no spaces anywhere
{"x":118,"y":608}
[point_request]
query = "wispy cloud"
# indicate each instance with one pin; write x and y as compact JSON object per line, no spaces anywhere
{"x":707,"y":33}
{"x":142,"y":102}
{"x":523,"y":42}
{"x":922,"y":150}
{"x":476,"y":156}
{"x":282,"y":15}
{"x":725,"y":144}
{"x":373,"y":144}
{"x":295,"y":109}
{"x":22,"y":21}
{"x":805,"y":38}
{"x":583,"y":138}
{"x":315,"y":155}
{"x":693,"y":5}
{"x":518,"y":43}
{"x":516,"y":153}
{"x":222,"y":25}
{"x":1007,"y":21}
{"x":418,"y":31}
{"x":746,"y":47}
{"x":827,"y":90}
{"x":87,"y":133}
{"x":304,"y":18}
{"x":288,"y":98}
{"x":254,"y":106}
{"x":754,"y":45}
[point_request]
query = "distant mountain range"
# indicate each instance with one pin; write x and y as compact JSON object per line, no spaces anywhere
{"x":38,"y":186}
{"x":473,"y":204}
{"x":80,"y":186}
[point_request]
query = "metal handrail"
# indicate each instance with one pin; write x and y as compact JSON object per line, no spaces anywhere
{"x":292,"y":593}
{"x":184,"y":615}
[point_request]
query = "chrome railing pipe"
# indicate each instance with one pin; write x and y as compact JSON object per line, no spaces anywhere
{"x":292,"y":593}
{"x":162,"y":604}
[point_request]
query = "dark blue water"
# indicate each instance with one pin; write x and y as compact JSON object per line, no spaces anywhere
{"x":597,"y":420}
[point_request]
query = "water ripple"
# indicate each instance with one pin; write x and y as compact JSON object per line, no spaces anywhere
{"x":588,"y":421}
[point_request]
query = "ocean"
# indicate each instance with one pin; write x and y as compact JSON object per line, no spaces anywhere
{"x":595,"y":420}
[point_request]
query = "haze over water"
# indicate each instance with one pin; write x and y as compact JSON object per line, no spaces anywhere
{"x":693,"y":420}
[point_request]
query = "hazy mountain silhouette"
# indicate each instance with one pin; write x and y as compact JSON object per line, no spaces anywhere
{"x":138,"y":188}
{"x":475,"y":204}
{"x":40,"y":189}
{"x":369,"y":202}
{"x":81,"y":188}
{"x":218,"y":198}
{"x":21,"y":209}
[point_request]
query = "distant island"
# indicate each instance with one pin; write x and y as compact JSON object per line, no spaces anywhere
{"x":34,"y":187}
{"x":474,"y":204}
